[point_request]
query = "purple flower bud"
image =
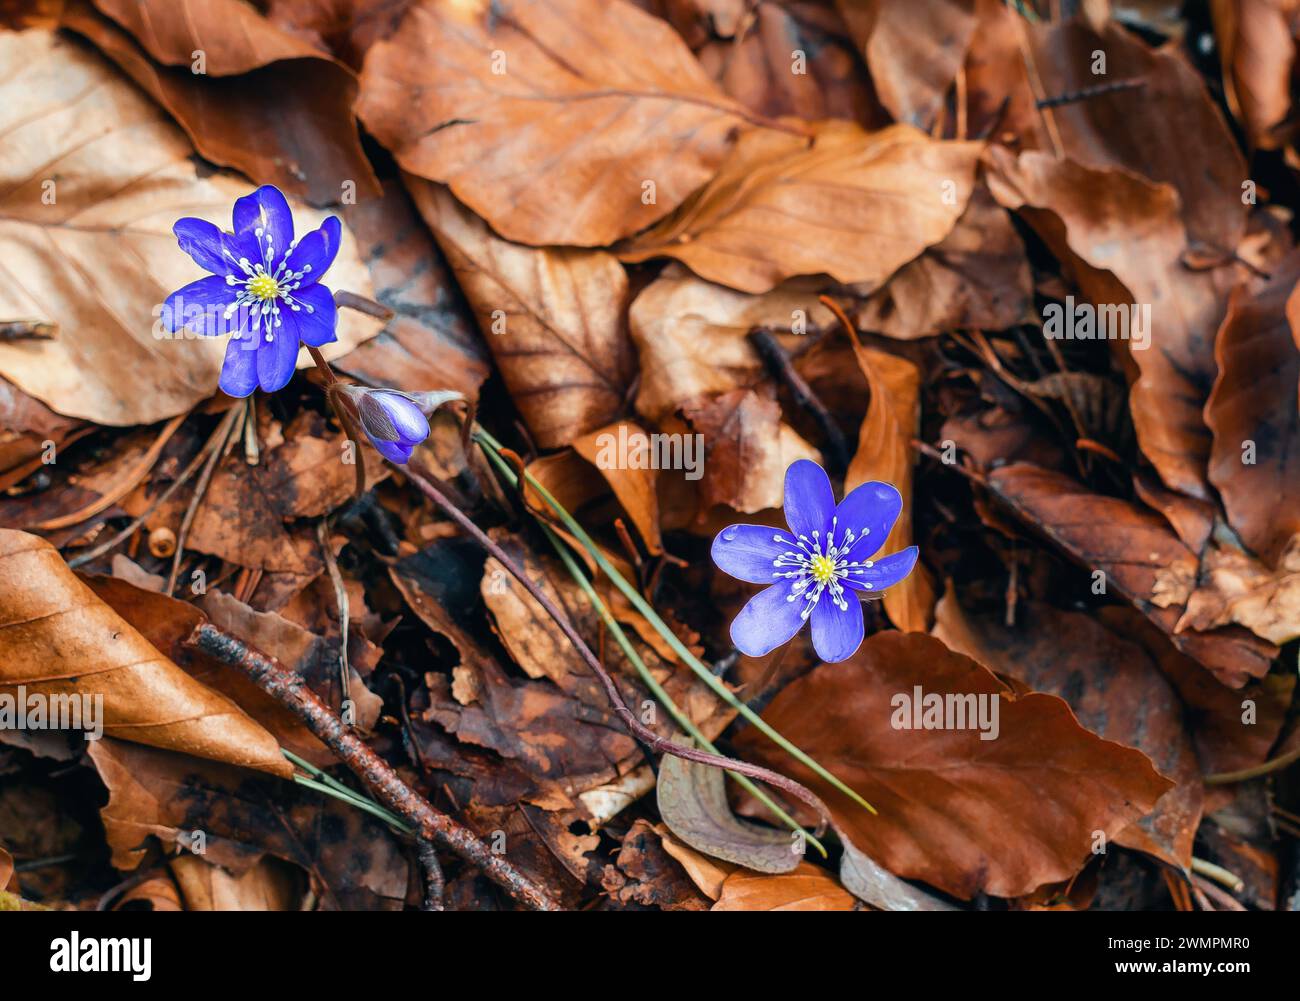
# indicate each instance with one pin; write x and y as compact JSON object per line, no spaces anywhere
{"x":395,"y":422}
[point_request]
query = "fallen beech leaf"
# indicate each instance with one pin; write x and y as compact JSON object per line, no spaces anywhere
{"x":303,"y":139}
{"x":747,"y":449}
{"x":1234,"y":587}
{"x":807,"y":888}
{"x":860,"y":204}
{"x":963,"y":814}
{"x":913,"y":50}
{"x":1254,"y":413}
{"x":431,"y":342}
{"x":755,"y":67}
{"x":648,"y":876}
{"x":1169,"y":131}
{"x":1138,"y":554}
{"x":1113,"y":688}
{"x":692,"y":800}
{"x":58,"y":639}
{"x":690,"y":337}
{"x":633,"y":486}
{"x":1256,"y":43}
{"x":267,"y":886}
{"x":1125,"y":240}
{"x":884,"y":453}
{"x":977,"y":276}
{"x":99,"y":261}
{"x":353,"y":860}
{"x":708,"y":874}
{"x":552,"y":317}
{"x":548,"y":119}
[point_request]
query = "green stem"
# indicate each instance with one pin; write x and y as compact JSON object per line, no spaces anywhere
{"x":322,"y":782}
{"x":658,"y":691}
{"x":492,"y":448}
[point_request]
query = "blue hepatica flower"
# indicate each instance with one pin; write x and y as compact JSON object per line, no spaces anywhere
{"x":263,"y":288}
{"x":817,"y":569}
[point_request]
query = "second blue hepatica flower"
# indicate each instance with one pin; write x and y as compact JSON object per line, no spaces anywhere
{"x":816,"y":570}
{"x":264,"y":288}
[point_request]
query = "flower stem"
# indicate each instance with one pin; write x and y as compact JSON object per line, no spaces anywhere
{"x":658,"y":691}
{"x":493,"y":448}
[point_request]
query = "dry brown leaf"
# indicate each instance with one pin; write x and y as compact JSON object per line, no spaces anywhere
{"x":854,"y":205}
{"x":1114,"y":689}
{"x":553,"y":318}
{"x":1232,"y":586}
{"x":268,"y":886}
{"x":559,"y":122}
{"x":1254,"y":413}
{"x":1139,"y":556}
{"x":58,"y":639}
{"x":303,"y":140}
{"x":963,"y":814}
{"x":884,"y":453}
{"x":690,"y":337}
{"x":913,"y":50}
{"x":1125,"y":239}
{"x":634,"y":486}
{"x":1256,"y":43}
{"x":808,"y":888}
{"x":99,"y":261}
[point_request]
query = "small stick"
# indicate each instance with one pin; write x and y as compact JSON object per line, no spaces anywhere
{"x":778,"y":363}
{"x":289,"y":689}
{"x":435,"y":885}
{"x":1087,"y":93}
{"x":252,"y":453}
{"x":1221,"y":897}
{"x":350,"y":300}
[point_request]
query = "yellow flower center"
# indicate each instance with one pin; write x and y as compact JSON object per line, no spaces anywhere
{"x":264,"y":287}
{"x":822,"y":569}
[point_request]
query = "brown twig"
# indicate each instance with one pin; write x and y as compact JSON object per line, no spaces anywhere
{"x":350,"y":300}
{"x":642,"y":733}
{"x":434,"y":885}
{"x":341,"y":597}
{"x":291,"y":691}
{"x":1087,"y":93}
{"x":778,"y":363}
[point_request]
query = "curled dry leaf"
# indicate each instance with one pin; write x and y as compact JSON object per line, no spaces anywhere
{"x":1233,"y":586}
{"x":57,"y":638}
{"x":1137,"y":553}
{"x":553,"y":318}
{"x":1257,"y":46}
{"x":861,"y":205}
{"x":631,"y":479}
{"x":692,"y":800}
{"x":562,"y":122}
{"x":885,"y":453}
{"x":963,"y":814}
{"x":98,"y":258}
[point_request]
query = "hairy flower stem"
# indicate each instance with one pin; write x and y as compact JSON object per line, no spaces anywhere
{"x":658,"y":691}
{"x":492,"y":446}
{"x":647,"y":736}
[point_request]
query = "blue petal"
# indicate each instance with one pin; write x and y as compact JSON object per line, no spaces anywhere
{"x":266,"y":209}
{"x":200,"y":306}
{"x":239,"y":370}
{"x":884,"y":572}
{"x":393,"y":451}
{"x":211,"y":249}
{"x":316,"y":251}
{"x":316,"y":327}
{"x":809,"y":500}
{"x":869,"y":512}
{"x":747,"y":551}
{"x":407,"y":417}
{"x":767,"y":621}
{"x":277,"y":357}
{"x":836,"y":632}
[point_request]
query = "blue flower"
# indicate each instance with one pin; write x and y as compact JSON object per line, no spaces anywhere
{"x":263,"y":288}
{"x":818,"y":568}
